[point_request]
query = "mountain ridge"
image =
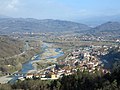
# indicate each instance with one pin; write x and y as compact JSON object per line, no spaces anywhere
{"x":107,"y":27}
{"x":8,"y":25}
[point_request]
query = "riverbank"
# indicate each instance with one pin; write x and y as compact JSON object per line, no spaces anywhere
{"x":45,"y":59}
{"x":5,"y":79}
{"x":15,"y":63}
{"x":49,"y":52}
{"x":48,"y":58}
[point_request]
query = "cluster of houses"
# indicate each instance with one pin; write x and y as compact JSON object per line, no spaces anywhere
{"x":83,"y":60}
{"x":49,"y":74}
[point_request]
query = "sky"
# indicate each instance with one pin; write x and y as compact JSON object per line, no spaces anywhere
{"x":60,"y":9}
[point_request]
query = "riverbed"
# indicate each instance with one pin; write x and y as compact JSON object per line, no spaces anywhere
{"x":49,"y":53}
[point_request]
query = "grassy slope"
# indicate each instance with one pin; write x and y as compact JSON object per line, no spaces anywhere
{"x":8,"y":49}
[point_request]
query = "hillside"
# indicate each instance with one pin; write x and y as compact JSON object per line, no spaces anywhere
{"x":111,"y":57}
{"x":9,"y":47}
{"x":106,"y":27}
{"x":9,"y":25}
{"x":12,"y":55}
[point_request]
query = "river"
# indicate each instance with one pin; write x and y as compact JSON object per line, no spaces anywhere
{"x":26,"y":67}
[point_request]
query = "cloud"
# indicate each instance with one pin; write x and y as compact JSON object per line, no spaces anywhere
{"x":12,"y":4}
{"x":8,"y":6}
{"x":56,"y":9}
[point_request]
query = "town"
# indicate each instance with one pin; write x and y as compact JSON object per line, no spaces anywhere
{"x":82,"y":59}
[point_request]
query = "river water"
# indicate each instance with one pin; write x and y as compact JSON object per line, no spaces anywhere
{"x":28,"y":65}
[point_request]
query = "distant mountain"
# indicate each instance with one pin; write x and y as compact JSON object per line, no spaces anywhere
{"x":106,"y":28}
{"x":95,"y":21}
{"x":9,"y":25}
{"x":109,"y":26}
{"x":3,"y":16}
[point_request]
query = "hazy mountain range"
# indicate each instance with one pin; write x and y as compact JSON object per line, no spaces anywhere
{"x":9,"y":25}
{"x":106,"y":27}
{"x":95,"y":21}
